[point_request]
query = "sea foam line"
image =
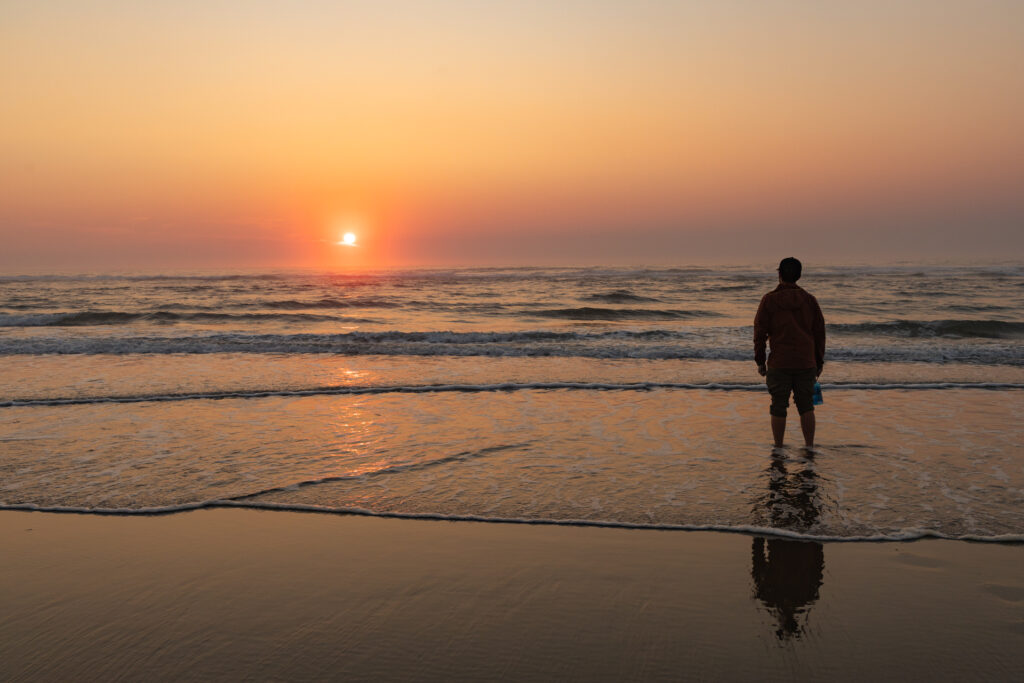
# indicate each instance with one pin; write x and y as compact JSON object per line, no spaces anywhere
{"x":481,"y":388}
{"x":903,"y":535}
{"x":689,"y":344}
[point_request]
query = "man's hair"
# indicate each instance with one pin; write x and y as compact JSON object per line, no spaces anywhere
{"x":790,"y":269}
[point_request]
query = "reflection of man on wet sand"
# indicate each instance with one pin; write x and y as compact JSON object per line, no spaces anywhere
{"x":790,"y":321}
{"x":786,"y":579}
{"x":788,"y":574}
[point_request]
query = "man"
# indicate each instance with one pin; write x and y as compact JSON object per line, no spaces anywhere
{"x":790,"y":320}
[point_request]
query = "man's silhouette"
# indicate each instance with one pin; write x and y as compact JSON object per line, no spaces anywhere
{"x":789,"y":320}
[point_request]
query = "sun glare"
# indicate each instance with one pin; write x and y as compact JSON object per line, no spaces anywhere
{"x":348,"y":239}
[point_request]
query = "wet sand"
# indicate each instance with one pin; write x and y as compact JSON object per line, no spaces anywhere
{"x":241,"y":594}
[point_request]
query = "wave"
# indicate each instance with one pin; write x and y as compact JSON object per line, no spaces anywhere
{"x":984,"y":329}
{"x":729,"y":288}
{"x":292,"y":304}
{"x":618,"y":296}
{"x":976,"y":308}
{"x":649,"y":344}
{"x":14,"y":304}
{"x":69,"y":319}
{"x":228,"y":277}
{"x":391,"y":469}
{"x":484,"y":388}
{"x":915,"y":293}
{"x":902,"y":535}
{"x":592,"y":313}
{"x":738,"y":273}
{"x":456,"y":306}
{"x":87,"y":318}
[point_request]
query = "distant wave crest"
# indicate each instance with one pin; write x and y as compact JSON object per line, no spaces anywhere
{"x":85,"y":318}
{"x":327,"y":302}
{"x":595,"y":313}
{"x":618,"y":296}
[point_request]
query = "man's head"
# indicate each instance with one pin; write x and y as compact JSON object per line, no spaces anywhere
{"x":790,"y":269}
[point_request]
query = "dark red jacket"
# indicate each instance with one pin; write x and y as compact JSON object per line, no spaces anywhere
{"x":791,"y":321}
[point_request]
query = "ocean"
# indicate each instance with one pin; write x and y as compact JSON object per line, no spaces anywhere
{"x":596,"y":396}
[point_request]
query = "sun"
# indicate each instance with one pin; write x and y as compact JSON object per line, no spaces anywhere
{"x":346,"y":230}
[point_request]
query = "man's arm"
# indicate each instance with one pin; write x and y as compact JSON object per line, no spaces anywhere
{"x":762,"y":322}
{"x":819,"y":337}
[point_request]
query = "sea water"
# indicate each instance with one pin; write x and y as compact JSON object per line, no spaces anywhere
{"x":610,"y":396}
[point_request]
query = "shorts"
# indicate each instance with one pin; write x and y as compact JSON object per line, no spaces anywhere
{"x":781,"y":382}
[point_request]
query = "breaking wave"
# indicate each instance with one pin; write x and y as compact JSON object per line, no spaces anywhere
{"x":902,"y":535}
{"x":984,"y":329}
{"x":483,"y":388}
{"x":645,"y":344}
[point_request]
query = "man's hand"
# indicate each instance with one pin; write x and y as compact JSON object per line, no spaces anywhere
{"x":818,"y":373}
{"x":762,"y":370}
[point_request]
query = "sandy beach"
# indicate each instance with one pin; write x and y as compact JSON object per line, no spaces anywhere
{"x":254,"y":595}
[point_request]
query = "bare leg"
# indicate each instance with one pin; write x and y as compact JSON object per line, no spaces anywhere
{"x":779,"y":428}
{"x":807,"y":427}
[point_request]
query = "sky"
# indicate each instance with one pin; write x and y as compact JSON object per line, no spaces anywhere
{"x":210,"y":134}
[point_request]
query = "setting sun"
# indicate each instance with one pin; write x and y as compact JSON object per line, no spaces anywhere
{"x":348,"y":239}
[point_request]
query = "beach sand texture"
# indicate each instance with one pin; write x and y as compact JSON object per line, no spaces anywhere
{"x":250,"y":595}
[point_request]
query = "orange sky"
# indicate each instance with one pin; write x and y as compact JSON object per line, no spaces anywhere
{"x":203,"y":134}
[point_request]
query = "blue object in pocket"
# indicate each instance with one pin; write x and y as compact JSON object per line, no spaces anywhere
{"x":816,"y":399}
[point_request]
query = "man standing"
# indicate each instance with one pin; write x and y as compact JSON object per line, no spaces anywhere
{"x":790,"y":320}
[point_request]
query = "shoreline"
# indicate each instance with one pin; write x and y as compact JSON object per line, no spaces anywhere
{"x":907,"y":536}
{"x":240,"y":593}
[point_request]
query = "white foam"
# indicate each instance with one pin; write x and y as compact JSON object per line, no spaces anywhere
{"x":499,"y":387}
{"x":903,"y":535}
{"x":723,"y":344}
